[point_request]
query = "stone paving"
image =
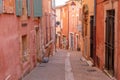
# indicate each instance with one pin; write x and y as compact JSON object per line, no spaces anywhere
{"x":66,"y":65}
{"x":82,"y":71}
{"x":53,"y":70}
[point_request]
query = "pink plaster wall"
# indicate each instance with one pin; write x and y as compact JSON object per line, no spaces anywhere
{"x":11,"y":31}
{"x":9,"y":46}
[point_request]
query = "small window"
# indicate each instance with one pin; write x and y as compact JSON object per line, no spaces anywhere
{"x":24,"y":48}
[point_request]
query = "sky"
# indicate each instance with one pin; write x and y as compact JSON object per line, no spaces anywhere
{"x":60,"y":2}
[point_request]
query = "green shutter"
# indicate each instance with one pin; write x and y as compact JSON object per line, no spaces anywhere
{"x":28,"y":8}
{"x":37,"y":8}
{"x":1,"y":6}
{"x":18,"y":7}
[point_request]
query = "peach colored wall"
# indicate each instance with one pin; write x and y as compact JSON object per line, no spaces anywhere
{"x":90,"y":4}
{"x":64,"y":19}
{"x":74,"y":21}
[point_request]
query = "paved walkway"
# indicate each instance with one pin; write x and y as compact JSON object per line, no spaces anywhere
{"x":82,"y":71}
{"x":66,"y":65}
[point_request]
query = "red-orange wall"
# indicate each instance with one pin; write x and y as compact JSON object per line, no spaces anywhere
{"x":100,"y":33}
{"x":64,"y":13}
{"x":70,"y":20}
{"x":118,"y":66}
{"x":100,"y":37}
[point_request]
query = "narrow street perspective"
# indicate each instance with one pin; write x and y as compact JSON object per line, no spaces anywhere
{"x":59,"y":39}
{"x":66,"y":65}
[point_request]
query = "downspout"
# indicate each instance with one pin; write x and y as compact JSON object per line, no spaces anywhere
{"x":55,"y":32}
{"x":68,"y":26}
{"x":95,"y":58}
{"x":94,"y":12}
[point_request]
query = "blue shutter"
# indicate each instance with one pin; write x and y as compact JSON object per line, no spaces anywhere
{"x":37,"y":8}
{"x":18,"y":7}
{"x":1,"y":6}
{"x":28,"y":8}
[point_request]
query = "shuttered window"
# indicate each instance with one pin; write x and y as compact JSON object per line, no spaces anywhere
{"x":28,"y":7}
{"x":37,"y":8}
{"x":18,"y":7}
{"x":1,"y":6}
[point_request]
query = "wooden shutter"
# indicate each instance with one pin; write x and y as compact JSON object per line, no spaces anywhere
{"x":28,"y":8}
{"x":18,"y":7}
{"x":37,"y":8}
{"x":1,"y":6}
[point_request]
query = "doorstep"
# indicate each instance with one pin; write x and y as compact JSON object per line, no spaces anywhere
{"x":110,"y":76}
{"x":87,"y":61}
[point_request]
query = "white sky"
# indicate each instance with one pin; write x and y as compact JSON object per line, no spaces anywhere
{"x":60,"y":2}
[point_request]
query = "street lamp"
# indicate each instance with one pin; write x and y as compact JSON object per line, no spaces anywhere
{"x":73,"y":4}
{"x":78,"y":1}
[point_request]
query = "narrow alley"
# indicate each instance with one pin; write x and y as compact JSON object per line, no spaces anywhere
{"x":59,"y":40}
{"x":66,"y":65}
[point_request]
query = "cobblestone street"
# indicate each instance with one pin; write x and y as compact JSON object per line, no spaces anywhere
{"x":66,"y":65}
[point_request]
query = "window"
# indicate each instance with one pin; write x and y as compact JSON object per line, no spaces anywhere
{"x":24,"y":48}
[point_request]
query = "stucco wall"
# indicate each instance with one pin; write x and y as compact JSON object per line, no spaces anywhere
{"x":102,"y":7}
{"x":11,"y":32}
{"x":9,"y":48}
{"x":90,"y":4}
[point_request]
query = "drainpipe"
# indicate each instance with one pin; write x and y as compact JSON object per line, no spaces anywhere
{"x":95,"y":32}
{"x":68,"y":27}
{"x":55,"y":32}
{"x":94,"y":12}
